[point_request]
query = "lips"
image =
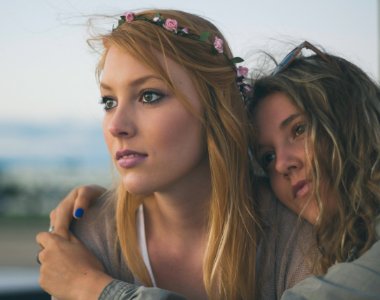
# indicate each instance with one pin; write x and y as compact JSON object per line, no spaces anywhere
{"x":301,"y":188}
{"x":128,"y":158}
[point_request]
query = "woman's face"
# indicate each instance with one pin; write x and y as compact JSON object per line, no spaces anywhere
{"x":281,"y":149}
{"x":156,"y":143}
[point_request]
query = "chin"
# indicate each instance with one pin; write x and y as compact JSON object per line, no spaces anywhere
{"x":312,"y":219}
{"x":136,"y":186}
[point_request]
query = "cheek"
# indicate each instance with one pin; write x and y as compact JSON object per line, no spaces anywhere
{"x":179,"y":135}
{"x":107,"y":134}
{"x":283,"y":191}
{"x":279,"y":187}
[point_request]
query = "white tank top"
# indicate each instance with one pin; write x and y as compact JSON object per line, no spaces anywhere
{"x":140,"y":225}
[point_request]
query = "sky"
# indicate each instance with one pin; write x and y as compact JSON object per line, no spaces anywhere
{"x":47,"y":70}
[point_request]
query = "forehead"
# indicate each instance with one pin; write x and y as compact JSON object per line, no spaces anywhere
{"x":120,"y":64}
{"x":273,"y":108}
{"x":121,"y":71}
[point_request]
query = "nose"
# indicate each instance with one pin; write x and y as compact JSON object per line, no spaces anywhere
{"x":119,"y":123}
{"x":287,"y":161}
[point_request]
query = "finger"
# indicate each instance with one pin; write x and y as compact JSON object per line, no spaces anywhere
{"x":74,"y":204}
{"x":73,"y":238}
{"x":38,"y":258}
{"x":52,"y":220}
{"x":52,"y":217}
{"x":47,"y":240}
{"x":85,"y":195}
{"x":48,"y":243}
{"x":43,"y":239}
{"x":62,"y":214}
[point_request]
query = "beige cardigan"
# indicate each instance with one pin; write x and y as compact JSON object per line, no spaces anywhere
{"x":281,"y":260}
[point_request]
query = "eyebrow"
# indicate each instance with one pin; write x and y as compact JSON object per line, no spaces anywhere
{"x":289,"y":119}
{"x":135,"y":82}
{"x":283,"y":124}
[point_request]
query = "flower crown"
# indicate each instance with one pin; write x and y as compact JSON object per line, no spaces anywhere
{"x":216,"y":47}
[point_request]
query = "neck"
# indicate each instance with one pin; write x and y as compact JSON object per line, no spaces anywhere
{"x":190,"y":213}
{"x":180,"y":210}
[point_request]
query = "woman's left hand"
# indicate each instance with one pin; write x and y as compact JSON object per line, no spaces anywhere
{"x":68,"y":269}
{"x":78,"y":200}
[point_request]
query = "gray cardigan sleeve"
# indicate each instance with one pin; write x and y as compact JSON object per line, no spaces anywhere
{"x":120,"y":290}
{"x":355,"y":280}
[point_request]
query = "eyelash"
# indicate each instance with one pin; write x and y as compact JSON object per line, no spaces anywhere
{"x":151,"y":92}
{"x":106,"y":100}
{"x":296,"y":128}
{"x":264,"y":161}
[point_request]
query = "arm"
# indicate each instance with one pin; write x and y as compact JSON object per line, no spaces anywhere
{"x":67,"y":262}
{"x":69,"y":271}
{"x":359,"y":279}
{"x":119,"y":290}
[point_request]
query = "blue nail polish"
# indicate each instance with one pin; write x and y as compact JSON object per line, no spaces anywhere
{"x":79,"y":213}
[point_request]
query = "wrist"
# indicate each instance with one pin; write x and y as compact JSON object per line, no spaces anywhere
{"x":92,"y":285}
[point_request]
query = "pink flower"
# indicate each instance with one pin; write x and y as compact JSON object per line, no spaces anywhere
{"x":129,"y":16}
{"x":171,"y":25}
{"x":242,"y":71}
{"x":218,"y":44}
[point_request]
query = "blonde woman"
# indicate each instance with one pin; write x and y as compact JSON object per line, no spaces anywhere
{"x":175,"y":126}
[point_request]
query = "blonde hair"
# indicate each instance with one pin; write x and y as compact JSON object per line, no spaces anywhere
{"x":229,"y":262}
{"x":342,"y":106}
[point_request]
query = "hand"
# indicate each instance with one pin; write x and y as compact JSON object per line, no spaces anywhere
{"x":73,"y":205}
{"x":68,"y":269}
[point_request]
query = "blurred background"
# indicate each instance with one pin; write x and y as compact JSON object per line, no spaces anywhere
{"x":50,"y":120}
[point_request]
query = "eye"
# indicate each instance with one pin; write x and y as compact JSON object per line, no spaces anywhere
{"x":299,"y":129}
{"x":266,"y":159}
{"x":151,"y":97}
{"x":108,"y":103}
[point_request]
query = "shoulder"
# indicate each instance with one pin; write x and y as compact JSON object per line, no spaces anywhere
{"x":97,"y":230}
{"x":359,"y":279}
{"x":286,"y":248}
{"x":98,"y":218}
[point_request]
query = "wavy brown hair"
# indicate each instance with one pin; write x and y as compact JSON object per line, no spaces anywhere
{"x":229,"y":261}
{"x":342,"y":106}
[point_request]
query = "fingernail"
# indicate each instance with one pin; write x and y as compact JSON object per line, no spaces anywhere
{"x":79,"y":213}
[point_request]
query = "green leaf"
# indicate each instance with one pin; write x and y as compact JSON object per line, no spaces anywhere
{"x":236,"y":60}
{"x":204,"y":36}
